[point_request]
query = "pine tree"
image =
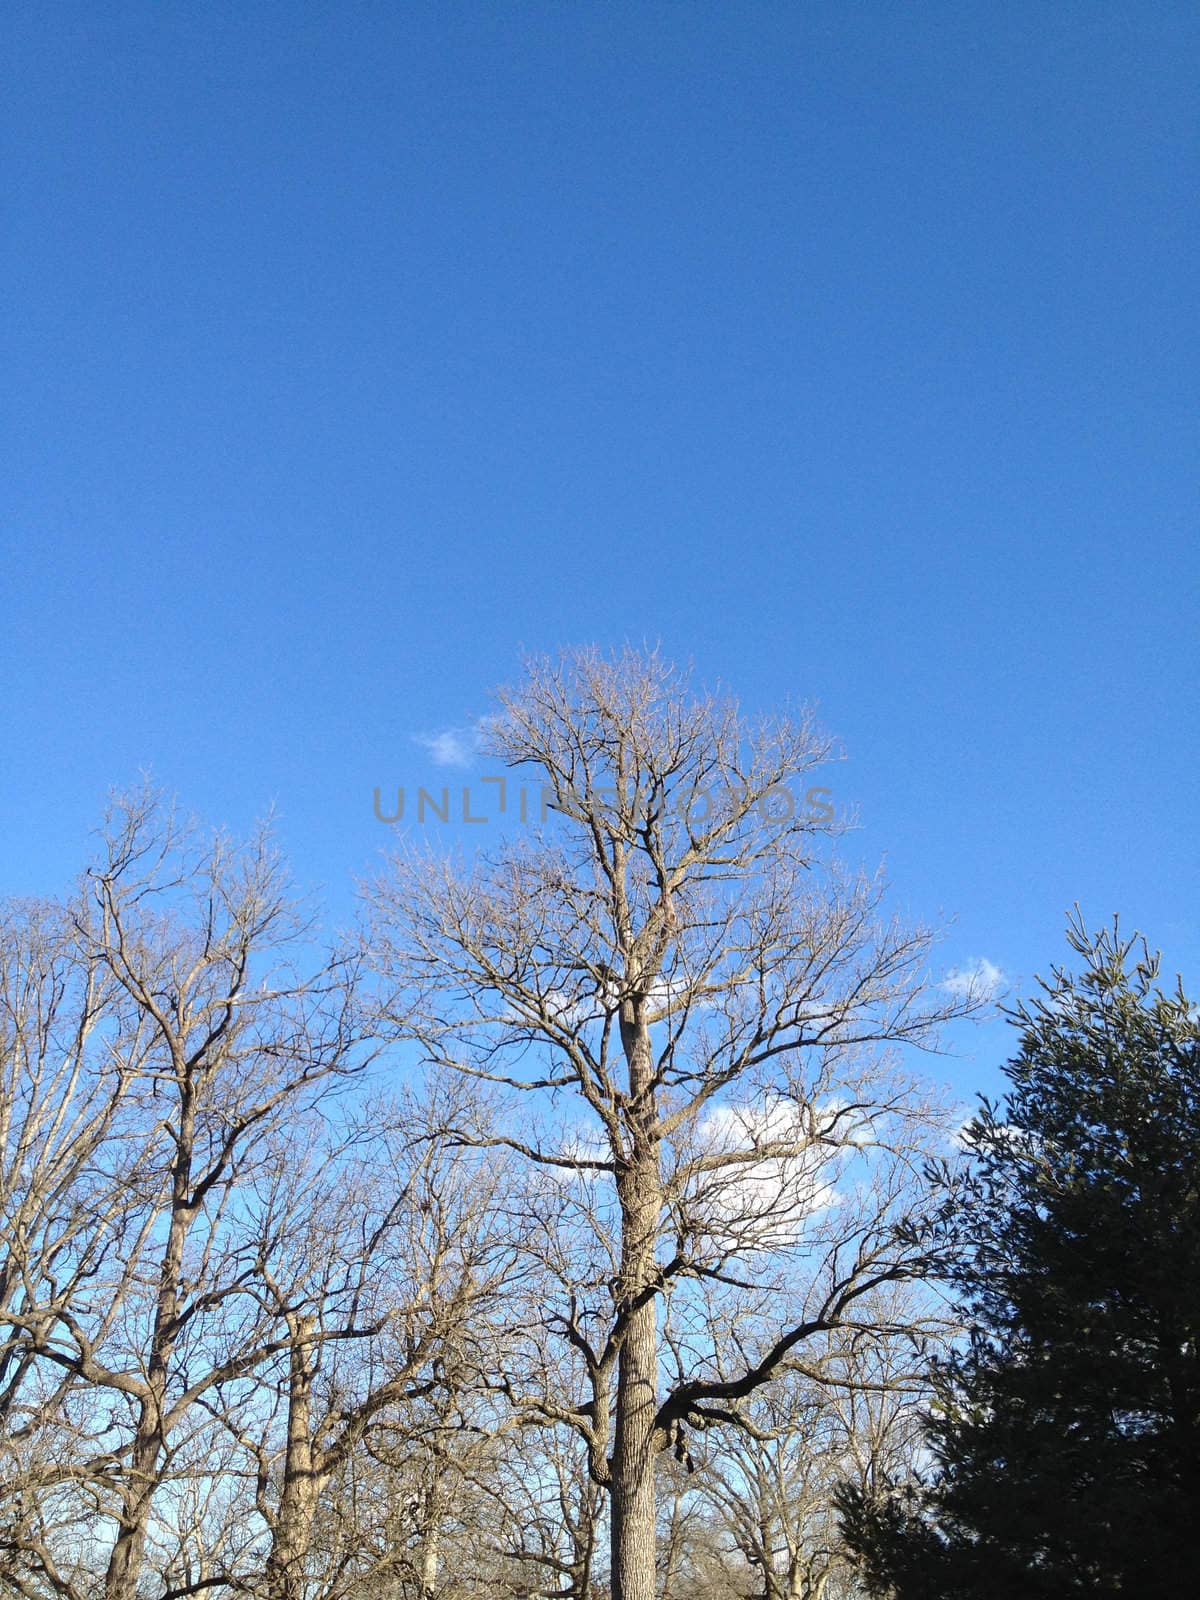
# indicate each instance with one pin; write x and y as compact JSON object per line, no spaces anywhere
{"x":1065,"y":1443}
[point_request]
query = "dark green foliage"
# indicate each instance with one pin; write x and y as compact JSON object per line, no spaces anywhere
{"x":1065,"y":1446}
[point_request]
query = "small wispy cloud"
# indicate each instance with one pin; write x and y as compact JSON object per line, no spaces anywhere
{"x":980,"y":979}
{"x":452,"y":747}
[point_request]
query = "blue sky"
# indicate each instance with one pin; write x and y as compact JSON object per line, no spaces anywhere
{"x":849,"y":350}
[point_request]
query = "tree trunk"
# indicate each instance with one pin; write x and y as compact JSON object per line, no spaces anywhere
{"x":633,"y":1500}
{"x":671,"y":1555}
{"x":125,"y":1563}
{"x":431,"y":1529}
{"x":583,"y":1546}
{"x":639,"y":1189}
{"x":302,"y":1481}
{"x":128,"y":1553}
{"x":290,"y":1545}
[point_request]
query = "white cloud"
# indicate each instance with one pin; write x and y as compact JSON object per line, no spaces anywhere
{"x":452,"y":747}
{"x":766,"y":1204}
{"x":980,"y":979}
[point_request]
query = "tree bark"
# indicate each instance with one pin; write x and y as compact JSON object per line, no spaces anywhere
{"x":128,"y":1553}
{"x":302,"y":1479}
{"x":431,"y":1541}
{"x":125,"y":1563}
{"x":639,"y":1189}
{"x":633,"y":1499}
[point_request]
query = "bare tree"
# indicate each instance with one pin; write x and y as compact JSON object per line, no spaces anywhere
{"x":690,"y":1554}
{"x":218,"y":1273}
{"x":226,"y":1040}
{"x":698,"y":1001}
{"x":71,"y":1186}
{"x":850,"y":1410}
{"x":379,"y":1258}
{"x":547,"y":1512}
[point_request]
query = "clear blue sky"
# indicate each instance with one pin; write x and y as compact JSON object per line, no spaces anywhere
{"x":849,"y":349}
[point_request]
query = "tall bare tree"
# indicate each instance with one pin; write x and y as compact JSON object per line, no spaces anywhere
{"x":699,"y":1003}
{"x":227,"y":1040}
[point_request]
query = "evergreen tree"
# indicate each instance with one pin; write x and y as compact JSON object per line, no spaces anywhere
{"x":1065,"y":1443}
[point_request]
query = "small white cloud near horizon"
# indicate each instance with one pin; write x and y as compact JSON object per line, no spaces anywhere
{"x":980,"y":979}
{"x":452,"y":747}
